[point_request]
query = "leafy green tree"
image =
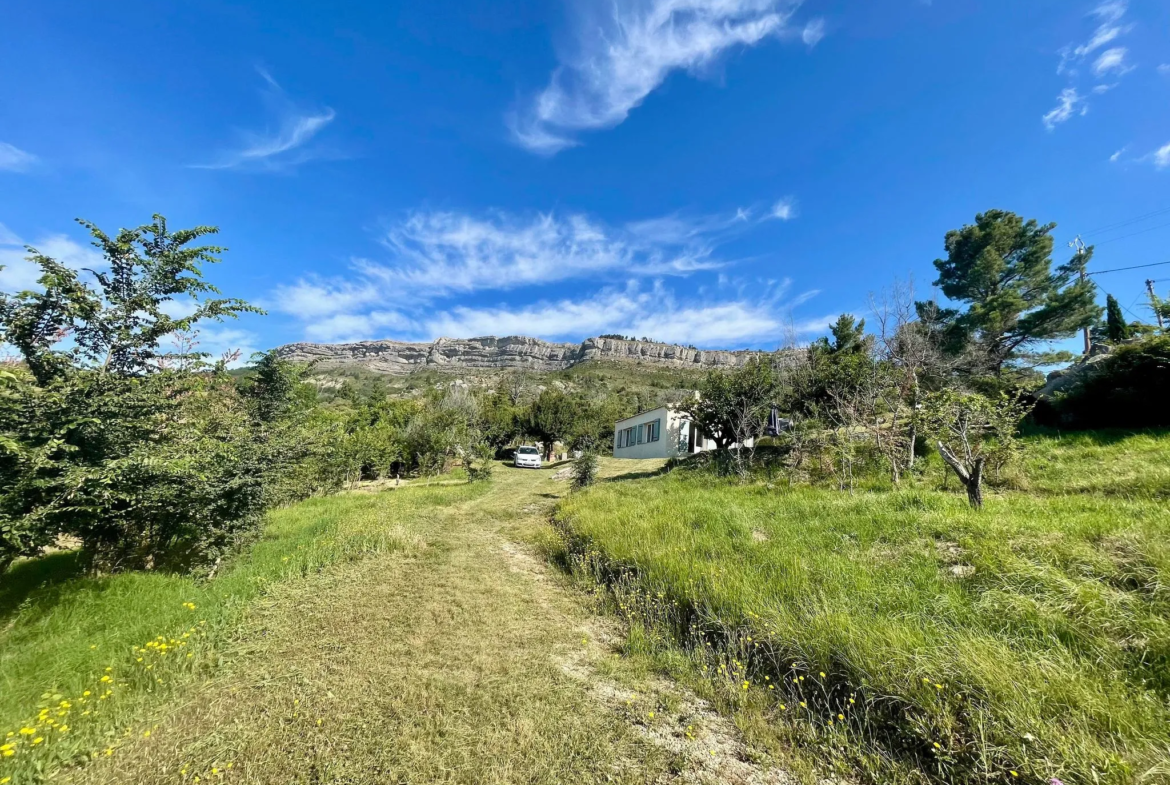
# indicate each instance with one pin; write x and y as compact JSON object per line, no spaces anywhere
{"x":552,"y":417}
{"x":275,"y":386}
{"x":733,"y":406}
{"x":499,"y":419}
{"x":138,"y":451}
{"x":1001,"y":268}
{"x":1116,"y":328}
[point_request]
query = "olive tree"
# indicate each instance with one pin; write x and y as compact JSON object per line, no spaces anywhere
{"x":972,"y":432}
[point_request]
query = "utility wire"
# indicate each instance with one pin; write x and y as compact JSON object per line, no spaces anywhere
{"x":1128,"y":221}
{"x":1132,"y":234}
{"x":1122,"y":269}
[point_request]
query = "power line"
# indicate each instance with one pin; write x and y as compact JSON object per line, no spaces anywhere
{"x":1122,"y":269}
{"x":1129,"y":221}
{"x":1133,"y":234}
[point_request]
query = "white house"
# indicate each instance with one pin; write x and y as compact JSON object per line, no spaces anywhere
{"x":664,"y":432}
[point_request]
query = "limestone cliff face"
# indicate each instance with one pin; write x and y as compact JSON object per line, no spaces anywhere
{"x":662,"y":353}
{"x":511,"y":353}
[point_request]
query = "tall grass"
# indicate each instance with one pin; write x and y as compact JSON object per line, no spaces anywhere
{"x":81,"y":656}
{"x":1024,"y":642}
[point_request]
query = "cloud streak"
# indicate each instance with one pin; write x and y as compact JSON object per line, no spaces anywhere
{"x":284,"y":147}
{"x":1110,"y":63}
{"x":442,"y":254}
{"x":13,"y":159}
{"x":1069,"y":103}
{"x":1161,"y":157}
{"x":19,"y":274}
{"x":628,"y":50}
{"x":655,"y":311}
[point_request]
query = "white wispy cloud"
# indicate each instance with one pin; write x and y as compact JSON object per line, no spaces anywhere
{"x":1164,"y":69}
{"x":20,"y":274}
{"x":629,"y":47}
{"x":13,"y":159}
{"x":1117,"y":155}
{"x":784,"y":209}
{"x":813,"y":32}
{"x":439,"y":254}
{"x":1069,"y":103}
{"x":282,"y":147}
{"x":1109,"y":28}
{"x":1161,"y":157}
{"x":655,"y":312}
{"x":1112,"y":61}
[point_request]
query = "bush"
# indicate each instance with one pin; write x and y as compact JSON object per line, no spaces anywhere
{"x":585,"y":469}
{"x":1128,"y":389}
{"x":477,"y":462}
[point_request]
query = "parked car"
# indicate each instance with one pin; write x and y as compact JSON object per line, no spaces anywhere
{"x":527,"y":457}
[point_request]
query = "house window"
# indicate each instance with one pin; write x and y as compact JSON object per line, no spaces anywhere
{"x":652,"y":430}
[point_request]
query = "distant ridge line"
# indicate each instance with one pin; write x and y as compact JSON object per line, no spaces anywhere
{"x":399,"y":358}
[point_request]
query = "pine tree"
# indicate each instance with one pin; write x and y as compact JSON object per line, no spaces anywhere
{"x":1001,"y":268}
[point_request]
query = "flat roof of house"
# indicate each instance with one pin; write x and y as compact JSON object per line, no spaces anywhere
{"x":667,"y":406}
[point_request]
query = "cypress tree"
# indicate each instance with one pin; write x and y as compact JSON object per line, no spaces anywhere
{"x":1115,"y":327}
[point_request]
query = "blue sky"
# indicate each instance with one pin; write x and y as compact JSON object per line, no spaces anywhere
{"x":726,"y":173}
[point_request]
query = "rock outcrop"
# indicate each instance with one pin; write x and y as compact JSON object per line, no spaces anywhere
{"x":511,"y":353}
{"x":1080,"y":371}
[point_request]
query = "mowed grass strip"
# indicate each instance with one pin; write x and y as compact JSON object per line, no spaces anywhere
{"x":1024,"y":642}
{"x":82,"y":658}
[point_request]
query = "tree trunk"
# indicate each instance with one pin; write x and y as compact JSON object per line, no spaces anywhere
{"x":972,"y":480}
{"x":975,"y":485}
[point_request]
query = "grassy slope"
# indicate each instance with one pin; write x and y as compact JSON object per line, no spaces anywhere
{"x":63,"y":633}
{"x":1051,"y":657}
{"x":392,"y":637}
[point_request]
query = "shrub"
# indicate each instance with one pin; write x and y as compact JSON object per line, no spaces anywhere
{"x":477,"y":461}
{"x":1128,"y":389}
{"x":585,"y":469}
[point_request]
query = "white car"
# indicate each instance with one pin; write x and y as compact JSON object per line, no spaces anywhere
{"x":527,"y":458}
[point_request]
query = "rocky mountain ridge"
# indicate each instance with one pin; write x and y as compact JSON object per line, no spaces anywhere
{"x":515,"y":352}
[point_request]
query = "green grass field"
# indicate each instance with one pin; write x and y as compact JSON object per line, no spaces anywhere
{"x":82,"y":657}
{"x":902,"y":633}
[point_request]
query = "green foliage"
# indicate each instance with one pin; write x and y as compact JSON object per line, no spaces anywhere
{"x":1116,"y":329}
{"x":585,"y":468}
{"x":478,"y":461}
{"x":1127,"y":389}
{"x":1001,"y":267}
{"x":151,"y":458}
{"x":140,"y":453}
{"x":554,"y":416}
{"x":733,"y":406}
{"x":1041,"y":621}
{"x":973,"y":431}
